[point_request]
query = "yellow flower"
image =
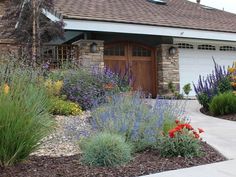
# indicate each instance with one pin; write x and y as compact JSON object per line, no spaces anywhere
{"x":6,"y":88}
{"x":57,"y":87}
{"x":233,"y":84}
{"x":231,"y":70}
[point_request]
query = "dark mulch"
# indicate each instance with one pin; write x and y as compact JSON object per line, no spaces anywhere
{"x":143,"y":164}
{"x":231,"y":117}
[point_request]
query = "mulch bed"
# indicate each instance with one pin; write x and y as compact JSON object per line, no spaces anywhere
{"x":231,"y":117}
{"x":143,"y":164}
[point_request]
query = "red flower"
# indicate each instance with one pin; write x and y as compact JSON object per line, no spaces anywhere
{"x":188,"y":126}
{"x":172,"y":134}
{"x":177,"y":121}
{"x":200,"y":130}
{"x":196,"y":135}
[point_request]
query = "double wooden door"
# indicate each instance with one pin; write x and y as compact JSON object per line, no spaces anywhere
{"x":135,"y":60}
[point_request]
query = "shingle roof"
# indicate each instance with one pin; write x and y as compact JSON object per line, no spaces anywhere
{"x":177,"y":13}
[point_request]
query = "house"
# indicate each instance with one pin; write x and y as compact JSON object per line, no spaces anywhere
{"x":156,"y":41}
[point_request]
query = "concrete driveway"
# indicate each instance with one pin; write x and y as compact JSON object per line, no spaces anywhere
{"x":221,"y":134}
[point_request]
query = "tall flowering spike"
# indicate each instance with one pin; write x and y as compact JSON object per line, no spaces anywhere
{"x":209,"y":85}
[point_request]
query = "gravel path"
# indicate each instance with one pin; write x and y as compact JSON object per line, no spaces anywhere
{"x":64,"y":139}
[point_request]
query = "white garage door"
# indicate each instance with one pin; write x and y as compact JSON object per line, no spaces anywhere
{"x":197,"y":60}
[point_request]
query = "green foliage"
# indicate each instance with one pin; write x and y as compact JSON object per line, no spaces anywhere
{"x":62,"y":107}
{"x":187,"y":89}
{"x":223,"y":104}
{"x":171,"y":87}
{"x":24,"y":116}
{"x":224,"y":85}
{"x":183,"y":144}
{"x":204,"y":100}
{"x":105,"y":149}
{"x":168,"y":125}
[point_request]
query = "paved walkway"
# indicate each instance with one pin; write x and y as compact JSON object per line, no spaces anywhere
{"x":221,"y":134}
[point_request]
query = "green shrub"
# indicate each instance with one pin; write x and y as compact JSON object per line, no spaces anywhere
{"x":187,"y":89}
{"x":224,"y":85}
{"x":204,"y":100}
{"x":183,"y":144}
{"x":223,"y":104}
{"x":62,"y":107}
{"x":106,"y":150}
{"x":24,"y":116}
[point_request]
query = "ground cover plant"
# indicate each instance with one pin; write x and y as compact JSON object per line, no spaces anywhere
{"x":58,"y":103}
{"x":24,"y":115}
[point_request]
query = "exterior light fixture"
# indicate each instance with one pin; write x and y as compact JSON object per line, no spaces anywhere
{"x":93,"y":47}
{"x":172,"y":50}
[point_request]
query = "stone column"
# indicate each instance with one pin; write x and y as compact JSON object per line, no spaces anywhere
{"x":167,"y":69}
{"x":87,"y":58}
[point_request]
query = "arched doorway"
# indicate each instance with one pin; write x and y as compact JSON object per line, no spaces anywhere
{"x":135,"y":59}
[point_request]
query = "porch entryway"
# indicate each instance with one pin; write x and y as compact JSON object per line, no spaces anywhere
{"x":135,"y":60}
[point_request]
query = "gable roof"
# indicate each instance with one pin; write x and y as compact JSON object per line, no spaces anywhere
{"x":177,"y":13}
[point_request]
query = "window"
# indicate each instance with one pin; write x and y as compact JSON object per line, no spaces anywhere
{"x":141,"y":52}
{"x":227,"y":48}
{"x":117,"y":50}
{"x":185,"y":46}
{"x":206,"y":47}
{"x":163,"y":2}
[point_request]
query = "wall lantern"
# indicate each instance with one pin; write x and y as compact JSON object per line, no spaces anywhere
{"x":93,"y":47}
{"x":172,"y":50}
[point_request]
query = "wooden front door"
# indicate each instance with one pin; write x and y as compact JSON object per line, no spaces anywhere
{"x":135,"y":60}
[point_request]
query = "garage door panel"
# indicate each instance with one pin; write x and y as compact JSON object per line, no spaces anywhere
{"x":194,"y":62}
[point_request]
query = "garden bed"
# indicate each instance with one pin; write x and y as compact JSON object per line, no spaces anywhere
{"x":231,"y":117}
{"x":144,"y":163}
{"x":59,"y":157}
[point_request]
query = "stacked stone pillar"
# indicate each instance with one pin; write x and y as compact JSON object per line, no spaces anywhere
{"x":86,"y":57}
{"x":167,"y":69}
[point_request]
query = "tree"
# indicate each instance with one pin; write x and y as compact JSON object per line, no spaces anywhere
{"x":29,"y":26}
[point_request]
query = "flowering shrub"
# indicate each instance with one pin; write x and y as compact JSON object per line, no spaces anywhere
{"x":137,"y":121}
{"x":232,"y":72}
{"x":182,"y":141}
{"x":91,"y":88}
{"x":212,"y":85}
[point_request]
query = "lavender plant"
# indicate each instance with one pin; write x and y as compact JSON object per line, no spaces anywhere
{"x":209,"y":86}
{"x":137,"y":121}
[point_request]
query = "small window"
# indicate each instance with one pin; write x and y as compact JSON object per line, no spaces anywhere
{"x":141,"y":52}
{"x":163,"y":2}
{"x":227,"y":48}
{"x":117,"y":50}
{"x":185,"y":46}
{"x":206,"y":47}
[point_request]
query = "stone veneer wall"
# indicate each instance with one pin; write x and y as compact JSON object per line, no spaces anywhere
{"x":85,"y":57}
{"x":9,"y":48}
{"x":167,"y":69}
